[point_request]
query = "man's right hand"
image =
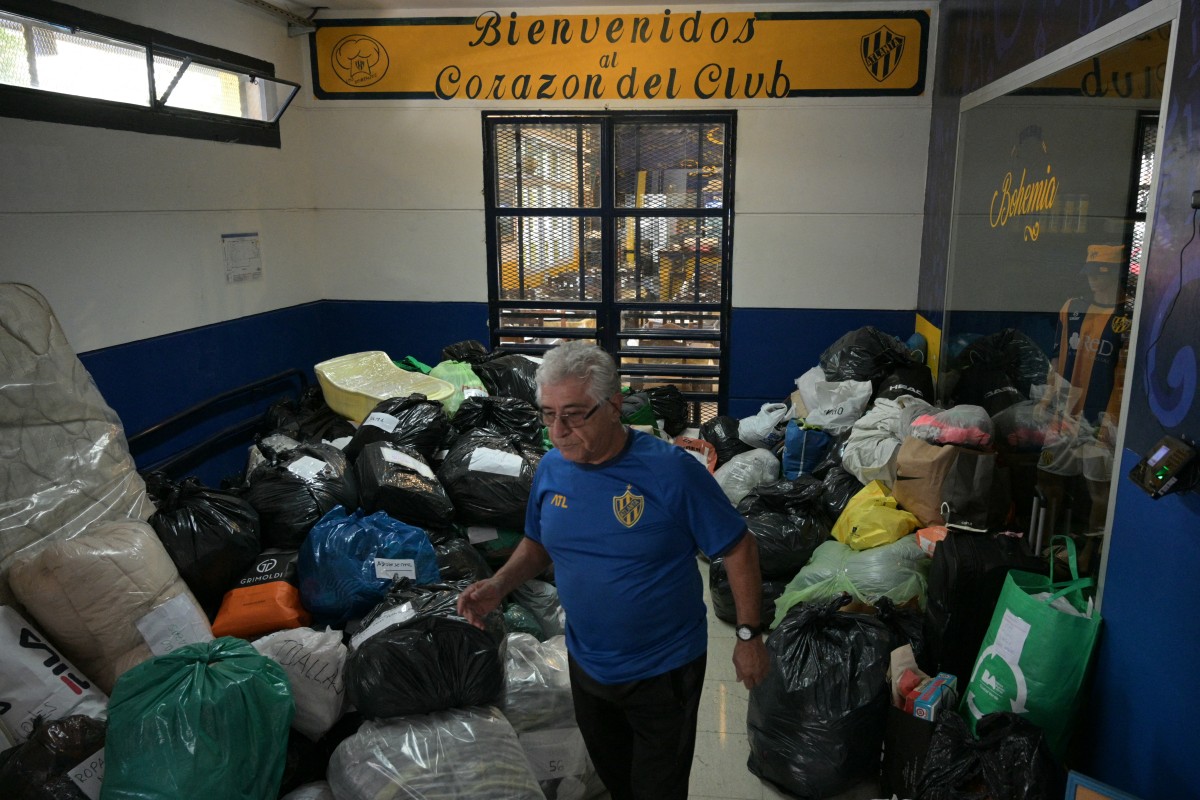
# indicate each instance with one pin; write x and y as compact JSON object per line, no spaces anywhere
{"x":478,"y":600}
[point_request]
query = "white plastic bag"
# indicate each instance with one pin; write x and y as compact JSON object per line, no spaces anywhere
{"x":313,"y":661}
{"x":318,"y":790}
{"x":833,"y":406}
{"x":739,"y":475}
{"x":766,"y":428}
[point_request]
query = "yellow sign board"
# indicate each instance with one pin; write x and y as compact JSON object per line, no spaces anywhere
{"x":698,"y":55}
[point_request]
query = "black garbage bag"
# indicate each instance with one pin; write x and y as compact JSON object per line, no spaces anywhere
{"x":913,"y":379}
{"x":816,"y":722}
{"x":488,"y":477}
{"x":839,"y":486}
{"x":398,"y":480}
{"x":670,"y":407}
{"x":722,"y":594}
{"x":509,"y":375}
{"x":468,"y":350}
{"x":414,"y":421}
{"x":439,"y":455}
{"x":459,"y":561}
{"x":413,"y":654}
{"x":504,"y":415}
{"x":1010,"y":760}
{"x":294,"y":492}
{"x":1021,"y":361}
{"x":210,"y":534}
{"x":906,"y":622}
{"x":787,"y":494}
{"x":866,"y":354}
{"x":59,"y":760}
{"x":722,"y":434}
{"x":308,"y":420}
{"x":786,"y":540}
{"x":636,"y":409}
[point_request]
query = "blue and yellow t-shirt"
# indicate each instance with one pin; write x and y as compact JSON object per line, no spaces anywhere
{"x":623,"y":536}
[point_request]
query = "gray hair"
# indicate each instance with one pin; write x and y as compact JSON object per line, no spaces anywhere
{"x":580,"y":360}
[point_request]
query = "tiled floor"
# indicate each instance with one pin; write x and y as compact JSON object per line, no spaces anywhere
{"x":722,"y":745}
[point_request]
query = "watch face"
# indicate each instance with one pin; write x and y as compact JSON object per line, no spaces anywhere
{"x":745,"y":633}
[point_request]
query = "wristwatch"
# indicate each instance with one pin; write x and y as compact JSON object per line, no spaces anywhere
{"x":747,"y":632}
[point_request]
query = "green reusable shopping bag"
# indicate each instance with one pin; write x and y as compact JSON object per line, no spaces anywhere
{"x":1034,"y":658}
{"x":208,"y":720}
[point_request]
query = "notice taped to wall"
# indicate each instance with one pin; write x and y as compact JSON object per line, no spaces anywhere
{"x":243,"y":257}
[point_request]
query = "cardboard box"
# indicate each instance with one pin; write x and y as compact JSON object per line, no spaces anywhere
{"x":939,"y":694}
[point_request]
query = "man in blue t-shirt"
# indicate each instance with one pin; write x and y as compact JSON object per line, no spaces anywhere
{"x":621,"y":515}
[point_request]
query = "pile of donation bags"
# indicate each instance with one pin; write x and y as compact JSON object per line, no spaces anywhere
{"x":340,"y":552}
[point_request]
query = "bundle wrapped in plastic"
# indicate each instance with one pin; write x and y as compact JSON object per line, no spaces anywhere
{"x":541,"y":598}
{"x":398,"y":481}
{"x":317,"y":790}
{"x":897,"y":571}
{"x":413,"y":654}
{"x":313,"y":661}
{"x":670,"y":407}
{"x":741,"y":474}
{"x":458,"y":560}
{"x":293,"y":492}
{"x":66,"y":460}
{"x":1010,"y":760}
{"x":519,"y":619}
{"x":457,"y":754}
{"x":37,"y":682}
{"x":509,"y":375}
{"x":210,"y":534}
{"x":865,"y":354}
{"x":175,"y":721}
{"x":414,"y":421}
{"x":722,"y":594}
{"x":963,"y":425}
{"x":266,"y":598}
{"x":464,"y":380}
{"x":348,"y":562}
{"x":816,"y":722}
{"x":488,"y":477}
{"x":110,"y":598}
{"x":309,"y":420}
{"x":268,"y":448}
{"x":537,"y":702}
{"x":62,"y":760}
{"x":870,"y":452}
{"x":722,"y":433}
{"x":788,"y":521}
{"x":503,"y":415}
{"x":1026,"y":426}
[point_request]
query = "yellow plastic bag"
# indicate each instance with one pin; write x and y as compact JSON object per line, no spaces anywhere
{"x":871,"y":519}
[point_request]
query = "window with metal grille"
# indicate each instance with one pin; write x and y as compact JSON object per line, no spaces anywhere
{"x":616,"y":228}
{"x":61,"y":64}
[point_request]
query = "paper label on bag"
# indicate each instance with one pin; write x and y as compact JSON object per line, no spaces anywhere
{"x":389,"y":568}
{"x":385,"y":422}
{"x":498,"y":462}
{"x":478,"y":534}
{"x":307,"y":467}
{"x":88,"y":775}
{"x":340,"y":442}
{"x":393,"y":616}
{"x":555,"y":753}
{"x":172,"y":625}
{"x":405,"y":460}
{"x":1010,"y":637}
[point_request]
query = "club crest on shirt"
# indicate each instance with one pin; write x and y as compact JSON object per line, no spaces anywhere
{"x":628,"y":507}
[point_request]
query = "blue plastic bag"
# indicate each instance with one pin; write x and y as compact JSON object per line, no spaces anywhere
{"x":803,"y":449}
{"x":348,"y":561}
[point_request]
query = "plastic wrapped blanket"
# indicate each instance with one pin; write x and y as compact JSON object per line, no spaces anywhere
{"x":459,"y":754}
{"x":206,"y":721}
{"x":64,"y":461}
{"x":897,"y":571}
{"x":110,"y":598}
{"x":537,"y":701}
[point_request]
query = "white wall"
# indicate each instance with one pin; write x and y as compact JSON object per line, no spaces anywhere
{"x":381,"y":200}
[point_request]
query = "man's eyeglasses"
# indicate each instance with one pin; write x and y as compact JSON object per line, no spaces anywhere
{"x":571,"y":420}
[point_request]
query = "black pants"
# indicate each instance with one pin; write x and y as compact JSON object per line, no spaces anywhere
{"x":641,"y":735}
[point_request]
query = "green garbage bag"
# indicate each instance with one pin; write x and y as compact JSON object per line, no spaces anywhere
{"x":1036,"y":653}
{"x":208,"y":720}
{"x":464,"y":380}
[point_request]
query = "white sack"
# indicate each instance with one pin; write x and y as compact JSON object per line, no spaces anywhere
{"x":314,"y":662}
{"x":110,"y":598}
{"x":741,"y":474}
{"x":833,"y":406}
{"x":35,"y":680}
{"x":766,"y":428}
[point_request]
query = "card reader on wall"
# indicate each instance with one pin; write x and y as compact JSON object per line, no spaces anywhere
{"x":1170,"y":466}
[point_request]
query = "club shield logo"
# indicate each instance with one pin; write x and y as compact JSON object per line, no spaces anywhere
{"x":882,"y":50}
{"x":628,"y":507}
